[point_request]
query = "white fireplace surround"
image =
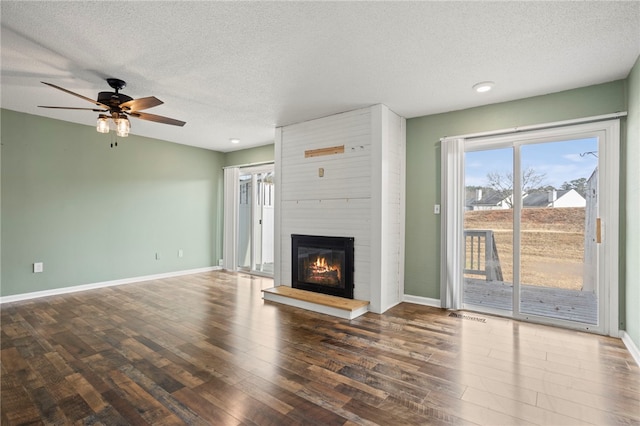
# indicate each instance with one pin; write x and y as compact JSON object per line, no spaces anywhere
{"x":356,"y":193}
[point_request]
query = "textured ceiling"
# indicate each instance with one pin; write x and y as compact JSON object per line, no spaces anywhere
{"x":239,"y":69}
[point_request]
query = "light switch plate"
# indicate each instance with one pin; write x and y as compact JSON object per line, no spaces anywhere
{"x":38,"y":267}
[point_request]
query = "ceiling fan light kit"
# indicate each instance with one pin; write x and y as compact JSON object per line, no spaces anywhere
{"x":122,"y":127}
{"x":103,"y":124}
{"x":117,"y":106}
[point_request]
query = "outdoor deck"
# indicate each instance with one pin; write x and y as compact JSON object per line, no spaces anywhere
{"x":549,"y":302}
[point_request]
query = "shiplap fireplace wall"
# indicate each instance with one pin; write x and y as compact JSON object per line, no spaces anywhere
{"x":344,"y":176}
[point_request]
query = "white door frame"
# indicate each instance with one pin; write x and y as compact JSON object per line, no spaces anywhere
{"x":453,"y":209}
{"x":231,"y":208}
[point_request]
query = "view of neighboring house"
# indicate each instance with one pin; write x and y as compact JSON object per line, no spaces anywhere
{"x":554,"y":198}
{"x":489,"y":199}
{"x":486,"y":199}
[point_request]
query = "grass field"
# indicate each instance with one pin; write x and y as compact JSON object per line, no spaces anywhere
{"x":552,"y":242}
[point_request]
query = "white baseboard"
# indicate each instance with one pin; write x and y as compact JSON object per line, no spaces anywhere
{"x":633,"y":349}
{"x":418,"y":300}
{"x":93,"y":286}
{"x":393,"y":305}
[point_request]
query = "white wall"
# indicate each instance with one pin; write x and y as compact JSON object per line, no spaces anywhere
{"x":392,"y":184}
{"x":361,"y":195}
{"x":570,"y":199}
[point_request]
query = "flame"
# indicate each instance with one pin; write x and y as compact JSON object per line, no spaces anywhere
{"x":321,"y":267}
{"x":321,"y":263}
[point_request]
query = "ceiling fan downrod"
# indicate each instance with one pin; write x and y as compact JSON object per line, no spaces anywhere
{"x":116,"y":84}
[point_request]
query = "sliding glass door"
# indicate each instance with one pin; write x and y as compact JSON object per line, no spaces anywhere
{"x":533,"y":245}
{"x":558,"y":232}
{"x":255,"y":242}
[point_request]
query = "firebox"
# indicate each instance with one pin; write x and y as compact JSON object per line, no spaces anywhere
{"x":322,"y":264}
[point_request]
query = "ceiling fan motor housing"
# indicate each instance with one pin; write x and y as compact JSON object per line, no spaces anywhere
{"x":113,"y":99}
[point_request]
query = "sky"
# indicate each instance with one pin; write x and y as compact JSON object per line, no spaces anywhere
{"x":559,"y":161}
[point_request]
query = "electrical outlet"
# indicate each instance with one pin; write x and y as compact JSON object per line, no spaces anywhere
{"x":180,"y":253}
{"x":38,"y":267}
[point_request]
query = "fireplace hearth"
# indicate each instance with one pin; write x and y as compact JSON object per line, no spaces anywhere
{"x":322,"y":264}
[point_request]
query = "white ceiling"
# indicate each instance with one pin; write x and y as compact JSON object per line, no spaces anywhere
{"x":239,"y":69}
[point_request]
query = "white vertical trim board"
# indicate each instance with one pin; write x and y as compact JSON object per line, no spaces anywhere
{"x":277,"y":243}
{"x":393,"y":172}
{"x":609,"y":205}
{"x":377,"y":173}
{"x":230,"y":233}
{"x":403,"y":197}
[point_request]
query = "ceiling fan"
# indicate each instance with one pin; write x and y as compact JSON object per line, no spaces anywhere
{"x":117,"y":106}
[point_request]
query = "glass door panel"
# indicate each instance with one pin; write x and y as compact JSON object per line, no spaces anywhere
{"x":488,"y":230}
{"x":245,"y":233}
{"x":264,"y":224}
{"x":558,"y":248}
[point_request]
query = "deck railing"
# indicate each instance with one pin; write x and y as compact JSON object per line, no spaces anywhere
{"x":481,"y":254}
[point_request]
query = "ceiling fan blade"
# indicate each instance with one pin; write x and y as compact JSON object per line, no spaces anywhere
{"x":157,"y":118}
{"x":85,"y":109}
{"x":75,"y":94}
{"x":141,"y":103}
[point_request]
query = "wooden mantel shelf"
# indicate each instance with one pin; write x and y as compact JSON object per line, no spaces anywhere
{"x":317,"y":302}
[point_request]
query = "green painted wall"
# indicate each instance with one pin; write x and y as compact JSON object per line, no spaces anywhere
{"x":632,"y":155}
{"x":258,"y":154}
{"x":422,"y":247}
{"x":92,"y":213}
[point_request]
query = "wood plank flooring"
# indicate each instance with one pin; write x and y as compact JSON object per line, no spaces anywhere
{"x":205,"y":349}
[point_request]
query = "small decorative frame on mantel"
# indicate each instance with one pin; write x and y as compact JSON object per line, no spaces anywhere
{"x":324,"y":151}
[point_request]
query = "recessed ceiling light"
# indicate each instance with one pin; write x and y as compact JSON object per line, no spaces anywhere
{"x":234,"y":140}
{"x":483,"y":86}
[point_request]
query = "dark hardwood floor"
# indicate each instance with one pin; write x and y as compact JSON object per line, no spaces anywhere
{"x":205,"y":349}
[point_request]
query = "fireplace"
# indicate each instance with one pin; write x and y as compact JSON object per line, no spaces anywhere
{"x":322,"y":264}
